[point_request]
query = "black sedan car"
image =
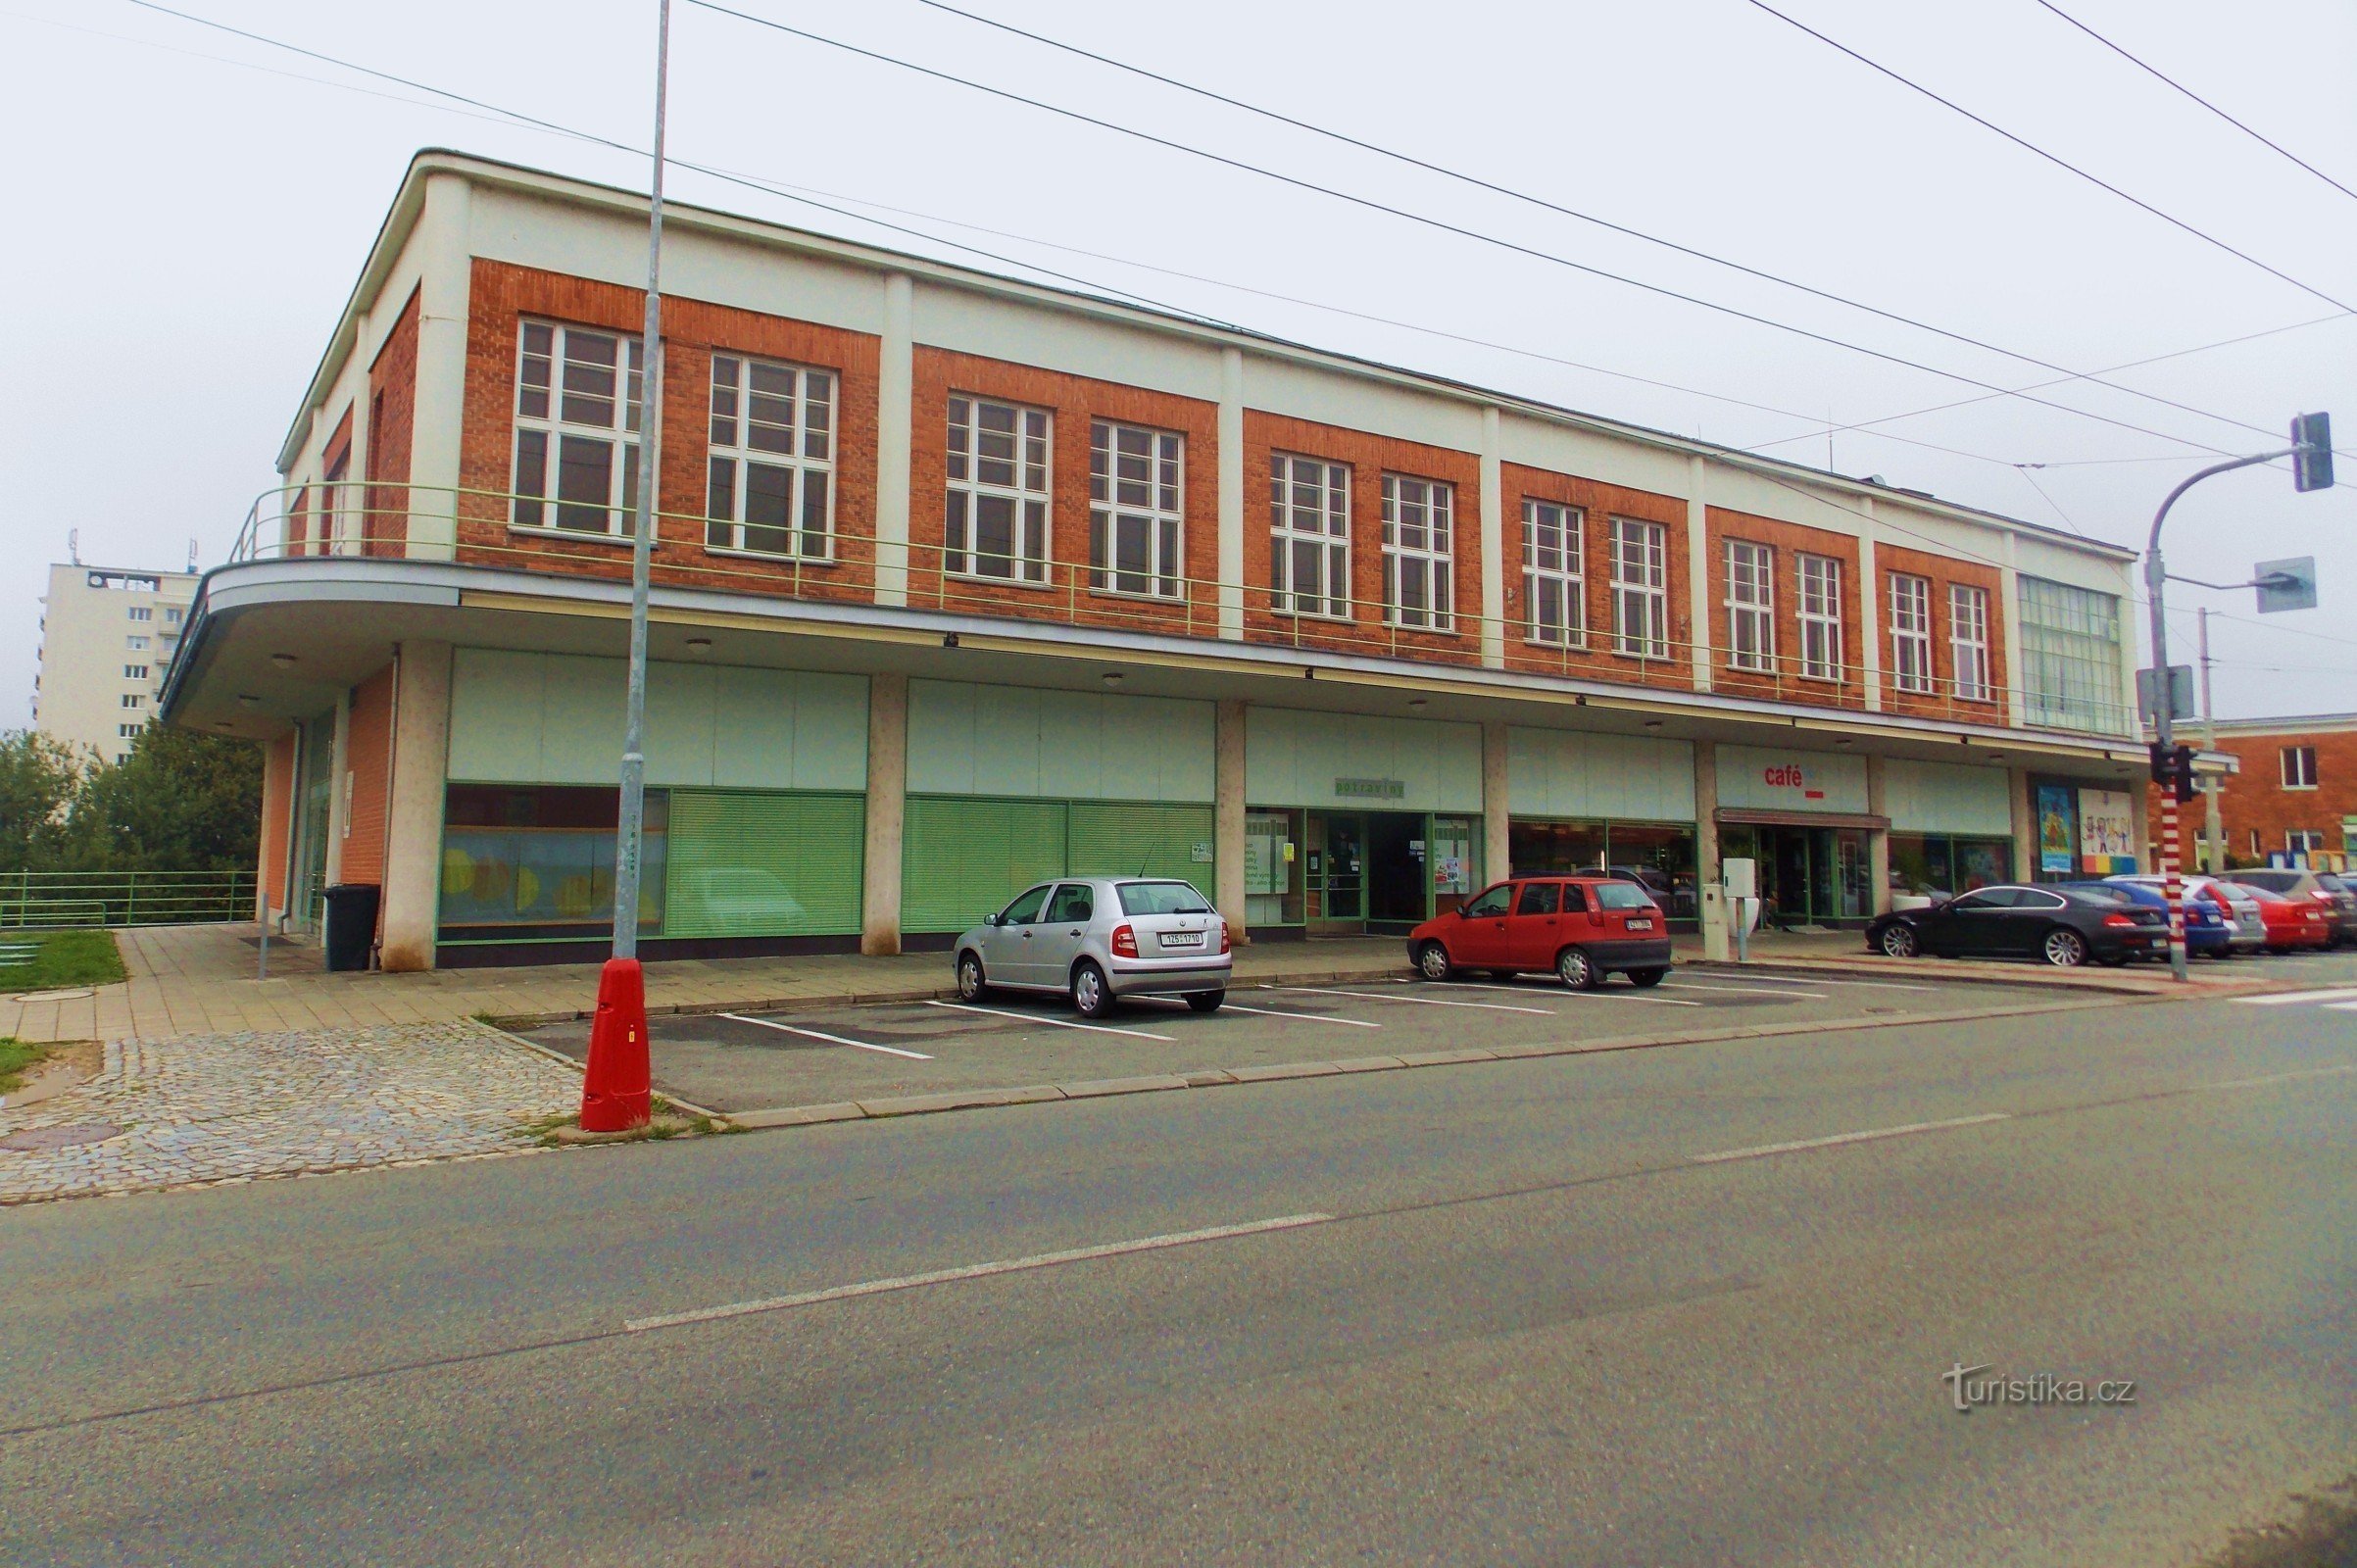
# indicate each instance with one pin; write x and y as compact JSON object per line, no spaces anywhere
{"x":2065,"y":926}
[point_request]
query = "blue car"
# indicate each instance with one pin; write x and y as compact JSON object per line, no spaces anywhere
{"x":2205,"y":930}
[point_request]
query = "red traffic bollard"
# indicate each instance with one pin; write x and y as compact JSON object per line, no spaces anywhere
{"x":615,"y":1091}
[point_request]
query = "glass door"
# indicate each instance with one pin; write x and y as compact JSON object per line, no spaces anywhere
{"x":1340,"y":876}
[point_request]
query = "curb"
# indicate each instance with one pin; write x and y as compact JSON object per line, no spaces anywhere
{"x":564,"y":1060}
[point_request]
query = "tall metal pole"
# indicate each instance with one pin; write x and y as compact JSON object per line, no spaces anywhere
{"x":2213,"y":833}
{"x":630,"y":831}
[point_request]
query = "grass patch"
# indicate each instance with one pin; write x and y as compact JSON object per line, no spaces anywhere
{"x":60,"y":958}
{"x":17,"y":1058}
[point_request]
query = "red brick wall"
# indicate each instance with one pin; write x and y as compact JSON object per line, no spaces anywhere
{"x":367,"y":759}
{"x":1370,"y":457}
{"x":1599,"y":504}
{"x":2255,"y":798}
{"x":1071,"y":400}
{"x":693,"y":330}
{"x":1944,"y":571}
{"x":1789,"y":540}
{"x":277,"y":818}
{"x":392,"y":417}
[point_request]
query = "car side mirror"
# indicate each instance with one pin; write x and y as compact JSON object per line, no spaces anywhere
{"x":991,"y":919}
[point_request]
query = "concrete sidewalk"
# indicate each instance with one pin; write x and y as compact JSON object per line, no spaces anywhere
{"x":200,"y":979}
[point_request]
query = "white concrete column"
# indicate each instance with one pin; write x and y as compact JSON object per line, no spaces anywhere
{"x":1227,"y":814}
{"x":2009,"y":589}
{"x":339,"y":790}
{"x":1496,"y":802}
{"x":1701,"y":572}
{"x":1870,"y":609}
{"x":1877,"y":842}
{"x":2024,"y":825}
{"x":887,"y":812}
{"x":1495,"y":565}
{"x":1231,"y":517}
{"x":896,"y":393}
{"x":444,"y":296}
{"x":413,"y":863}
{"x":352,"y":504}
{"x":1712,"y":908}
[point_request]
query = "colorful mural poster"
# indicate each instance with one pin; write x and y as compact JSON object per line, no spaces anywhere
{"x":2057,"y":836}
{"x":2107,"y":830}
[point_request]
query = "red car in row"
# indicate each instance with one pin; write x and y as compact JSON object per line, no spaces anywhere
{"x":1581,"y":927}
{"x":2292,"y":922}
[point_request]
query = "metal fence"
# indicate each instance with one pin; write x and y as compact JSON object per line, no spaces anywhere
{"x":54,"y":900}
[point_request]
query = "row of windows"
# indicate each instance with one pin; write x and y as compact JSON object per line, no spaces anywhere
{"x":1751,"y":622}
{"x":147,"y":612}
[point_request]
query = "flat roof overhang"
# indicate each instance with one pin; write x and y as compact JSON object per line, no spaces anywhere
{"x":270,"y":643}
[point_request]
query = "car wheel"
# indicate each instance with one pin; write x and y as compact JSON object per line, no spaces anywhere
{"x":1089,"y":992}
{"x":1899,"y":940}
{"x":1431,"y":961}
{"x":2064,"y":947}
{"x":1205,"y":1001}
{"x":1577,"y":970}
{"x":1642,"y":978}
{"x":971,"y":986}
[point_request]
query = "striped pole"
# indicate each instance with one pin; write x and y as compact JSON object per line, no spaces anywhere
{"x":2172,"y":859}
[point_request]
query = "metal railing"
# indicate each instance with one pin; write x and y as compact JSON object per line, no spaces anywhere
{"x":933,"y":576}
{"x":55,"y":900}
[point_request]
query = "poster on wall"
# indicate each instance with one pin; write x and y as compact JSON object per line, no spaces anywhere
{"x":2057,"y":838}
{"x":2106,"y":832}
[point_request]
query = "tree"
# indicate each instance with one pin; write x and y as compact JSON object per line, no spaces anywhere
{"x":179,"y":800}
{"x":39,"y":780}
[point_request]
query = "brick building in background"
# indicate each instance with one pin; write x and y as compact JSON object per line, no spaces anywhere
{"x":2296,"y":794}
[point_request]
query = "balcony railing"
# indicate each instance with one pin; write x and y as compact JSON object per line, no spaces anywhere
{"x":1077,"y":593}
{"x":54,"y":900}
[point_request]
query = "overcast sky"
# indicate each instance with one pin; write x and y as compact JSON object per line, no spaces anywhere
{"x":187,"y":215}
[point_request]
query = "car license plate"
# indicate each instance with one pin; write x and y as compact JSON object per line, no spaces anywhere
{"x":1182,"y":939}
{"x":1641,"y":925}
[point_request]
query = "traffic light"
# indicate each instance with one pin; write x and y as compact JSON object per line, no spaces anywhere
{"x":2312,"y":463}
{"x":2173,"y":770}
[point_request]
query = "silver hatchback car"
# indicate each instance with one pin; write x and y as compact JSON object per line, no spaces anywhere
{"x":1097,"y":939}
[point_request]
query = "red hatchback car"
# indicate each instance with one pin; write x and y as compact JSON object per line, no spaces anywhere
{"x":2292,"y":923}
{"x":1581,"y":927}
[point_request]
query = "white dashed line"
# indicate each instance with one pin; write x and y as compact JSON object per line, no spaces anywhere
{"x":2280,"y":1077}
{"x":1421,"y":1001}
{"x":832,"y":1040}
{"x":1755,"y":991}
{"x":1801,"y":1145}
{"x":2294,"y":999}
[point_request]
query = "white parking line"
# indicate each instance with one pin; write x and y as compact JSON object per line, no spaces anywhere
{"x":832,"y":1040}
{"x":1630,"y":995}
{"x":1756,"y":991}
{"x":1060,"y":1023}
{"x":1801,"y":1144}
{"x":1313,"y":1017}
{"x":2294,"y":999}
{"x":2280,"y":1077}
{"x":1816,"y":980}
{"x":975,"y":1271}
{"x":1422,"y":1002}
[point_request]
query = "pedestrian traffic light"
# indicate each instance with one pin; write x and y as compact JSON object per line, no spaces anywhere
{"x":2173,"y":770}
{"x":2312,"y":461}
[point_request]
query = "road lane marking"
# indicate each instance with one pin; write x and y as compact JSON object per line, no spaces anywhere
{"x":1060,"y":1023}
{"x":832,"y":1040}
{"x":1313,"y":1017}
{"x":1817,"y":980}
{"x":1799,"y":1145}
{"x":1422,"y":1002}
{"x":1756,"y":991}
{"x":2280,"y":1077}
{"x":2294,"y":999}
{"x":1632,"y":994}
{"x":976,"y":1271}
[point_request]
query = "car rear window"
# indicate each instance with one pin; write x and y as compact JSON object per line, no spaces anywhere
{"x":2332,"y":884}
{"x":2272,"y":881}
{"x":1621,"y":896}
{"x":1161,"y":898}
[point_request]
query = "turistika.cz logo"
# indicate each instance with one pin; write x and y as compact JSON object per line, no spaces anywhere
{"x":1968,"y":1388}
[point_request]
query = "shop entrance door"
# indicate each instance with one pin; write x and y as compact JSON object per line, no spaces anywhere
{"x":1398,"y":852}
{"x":1338,"y":874}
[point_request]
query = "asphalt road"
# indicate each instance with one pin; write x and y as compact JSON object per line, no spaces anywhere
{"x":1617,"y":1308}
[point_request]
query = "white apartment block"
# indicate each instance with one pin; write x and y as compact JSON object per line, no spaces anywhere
{"x":107,"y":636}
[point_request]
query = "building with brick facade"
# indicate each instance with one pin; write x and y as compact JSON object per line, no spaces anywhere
{"x":961,"y":581}
{"x":2294,"y":791}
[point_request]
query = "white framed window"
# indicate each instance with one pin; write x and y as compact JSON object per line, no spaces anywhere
{"x":997,"y":522}
{"x":140,"y":613}
{"x":1750,"y":605}
{"x":2299,"y":767}
{"x":134,"y":699}
{"x":1968,"y":640}
{"x":1819,"y":617}
{"x":1555,"y":584}
{"x":1640,"y":589}
{"x":769,"y":478}
{"x":577,"y":394}
{"x":1309,"y":536}
{"x":1137,"y":510}
{"x":172,"y":616}
{"x":134,"y":673}
{"x":2303,"y":841}
{"x":1910,"y":634}
{"x":128,"y":731}
{"x":138,"y":645}
{"x":1418,"y":552}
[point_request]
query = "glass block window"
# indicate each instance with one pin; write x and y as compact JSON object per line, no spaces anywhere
{"x":2070,"y":657}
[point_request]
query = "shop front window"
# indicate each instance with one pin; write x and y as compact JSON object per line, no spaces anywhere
{"x":1555,"y":849}
{"x":525,"y":862}
{"x":1273,"y":886}
{"x":1936,"y":865}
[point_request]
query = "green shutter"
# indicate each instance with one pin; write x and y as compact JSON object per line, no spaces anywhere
{"x":754,"y":863}
{"x":1129,"y":838}
{"x":963,"y":857}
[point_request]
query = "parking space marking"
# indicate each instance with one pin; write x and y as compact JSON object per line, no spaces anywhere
{"x":2294,"y":999}
{"x":1872,"y":985}
{"x":1801,"y":1145}
{"x":1631,"y":995}
{"x":832,"y":1040}
{"x":2281,"y":1077}
{"x":1311,"y":1018}
{"x":1421,"y":1001}
{"x":1060,"y":1023}
{"x":1756,"y":991}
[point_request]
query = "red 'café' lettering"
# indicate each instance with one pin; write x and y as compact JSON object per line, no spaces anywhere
{"x":1786,"y":777}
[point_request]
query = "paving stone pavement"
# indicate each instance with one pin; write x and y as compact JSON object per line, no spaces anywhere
{"x":203,"y":1108}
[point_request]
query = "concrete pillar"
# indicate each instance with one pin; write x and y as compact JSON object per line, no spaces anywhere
{"x":1877,"y":842}
{"x":1227,"y":814}
{"x":1230,"y":513}
{"x":445,"y":291}
{"x":1713,"y":907}
{"x":339,"y":790}
{"x":2024,"y":825}
{"x":896,"y":396}
{"x":1496,"y":807}
{"x":1870,"y":609}
{"x":1495,"y":565}
{"x":887,"y":811}
{"x":413,"y":866}
{"x":1700,"y":570}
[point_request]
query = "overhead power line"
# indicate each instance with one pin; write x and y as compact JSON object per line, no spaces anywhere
{"x":2058,"y":162}
{"x":1480,"y":182}
{"x":2160,"y":75}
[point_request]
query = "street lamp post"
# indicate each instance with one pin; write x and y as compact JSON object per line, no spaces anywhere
{"x":616,"y":1087}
